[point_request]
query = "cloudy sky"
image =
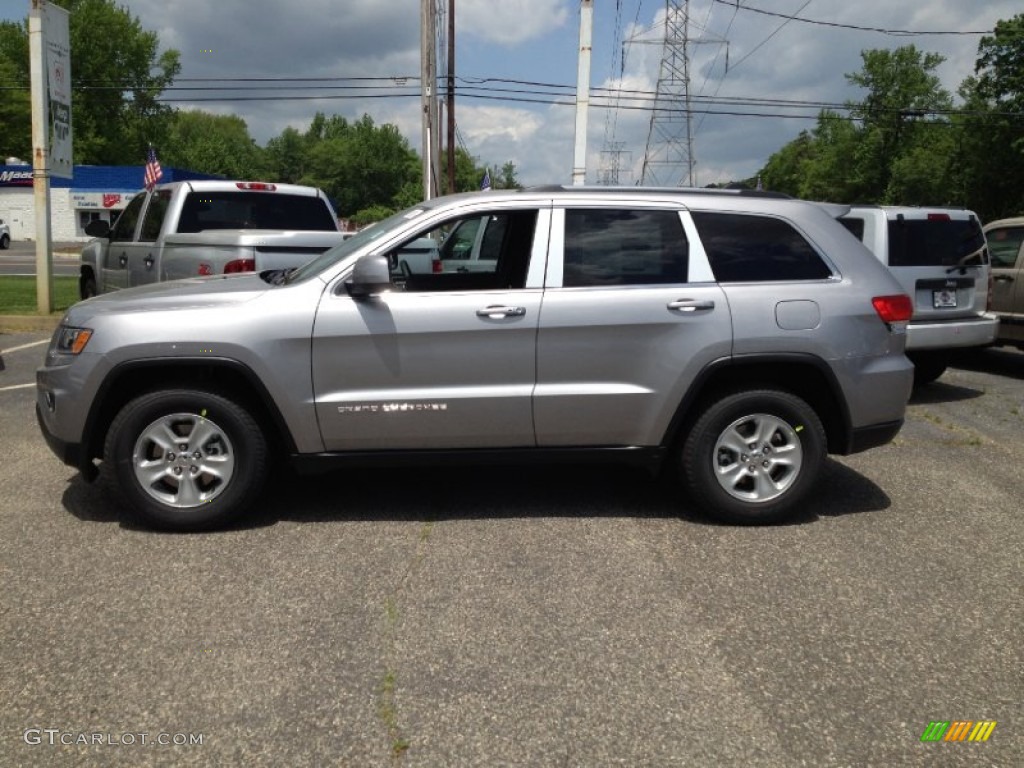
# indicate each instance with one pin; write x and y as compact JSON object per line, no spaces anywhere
{"x":516,"y":68}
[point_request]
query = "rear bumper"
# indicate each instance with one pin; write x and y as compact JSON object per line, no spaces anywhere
{"x":952,"y":334}
{"x":863,"y":438}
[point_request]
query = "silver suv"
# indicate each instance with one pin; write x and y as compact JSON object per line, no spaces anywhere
{"x":732,"y":339}
{"x":939,"y":257}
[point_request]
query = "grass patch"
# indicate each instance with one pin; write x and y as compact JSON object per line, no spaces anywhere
{"x":18,"y":294}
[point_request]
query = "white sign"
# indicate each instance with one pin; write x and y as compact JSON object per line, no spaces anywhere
{"x":58,"y":69}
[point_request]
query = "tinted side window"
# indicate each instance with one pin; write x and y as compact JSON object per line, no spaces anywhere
{"x":746,"y":248}
{"x":624,"y":247}
{"x":155,"y":215}
{"x":452,"y":257}
{"x":254,"y":210}
{"x":1004,"y":245}
{"x":856,"y":227}
{"x":124,"y":227}
{"x":935,"y":242}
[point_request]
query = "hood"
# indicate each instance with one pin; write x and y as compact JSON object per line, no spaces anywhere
{"x":194,"y":292}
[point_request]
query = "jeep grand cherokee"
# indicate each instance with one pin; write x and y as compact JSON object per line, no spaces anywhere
{"x":731,"y":339}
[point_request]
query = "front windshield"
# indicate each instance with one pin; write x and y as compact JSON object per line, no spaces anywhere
{"x":358,"y":241}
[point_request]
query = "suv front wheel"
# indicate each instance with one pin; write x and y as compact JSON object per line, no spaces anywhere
{"x":187,"y":460}
{"x":751,"y":457}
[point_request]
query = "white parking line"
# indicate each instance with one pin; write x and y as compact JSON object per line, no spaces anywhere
{"x":24,"y":346}
{"x":16,"y":386}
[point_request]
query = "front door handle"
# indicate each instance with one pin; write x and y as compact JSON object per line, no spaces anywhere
{"x":1003,"y":279}
{"x":691,"y":305}
{"x":148,"y":261}
{"x":498,"y":311}
{"x":123,"y":261}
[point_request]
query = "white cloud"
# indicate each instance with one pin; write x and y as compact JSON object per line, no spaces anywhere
{"x":509,"y":22}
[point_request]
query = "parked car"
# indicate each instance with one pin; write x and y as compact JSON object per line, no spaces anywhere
{"x":940,"y":259}
{"x":729,"y":338}
{"x":1006,"y":246}
{"x":189,"y":228}
{"x":5,"y":235}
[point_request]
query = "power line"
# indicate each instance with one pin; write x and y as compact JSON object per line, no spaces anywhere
{"x":894,"y":32}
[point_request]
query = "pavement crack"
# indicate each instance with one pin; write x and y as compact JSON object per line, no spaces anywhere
{"x":387,"y":705}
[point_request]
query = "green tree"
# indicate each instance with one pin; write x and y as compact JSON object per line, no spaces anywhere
{"x":218,"y":144}
{"x":15,"y":111}
{"x":902,"y":89}
{"x":991,"y":136}
{"x":118,"y":75}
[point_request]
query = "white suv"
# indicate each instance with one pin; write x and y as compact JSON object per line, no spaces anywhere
{"x":5,"y":235}
{"x":940,"y":258}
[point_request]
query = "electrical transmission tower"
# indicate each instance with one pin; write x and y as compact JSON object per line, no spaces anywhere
{"x":611,"y":171}
{"x":668,"y":158}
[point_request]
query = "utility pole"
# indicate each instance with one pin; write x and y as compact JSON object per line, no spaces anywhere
{"x":428,"y":101}
{"x":579,"y":162}
{"x":451,"y":96}
{"x":41,"y":156}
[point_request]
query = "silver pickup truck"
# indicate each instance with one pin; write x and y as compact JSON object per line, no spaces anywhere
{"x":193,"y":228}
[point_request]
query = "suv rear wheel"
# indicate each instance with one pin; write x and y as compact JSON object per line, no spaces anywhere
{"x":187,"y":460}
{"x":752,"y":456}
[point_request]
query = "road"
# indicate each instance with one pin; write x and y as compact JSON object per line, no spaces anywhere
{"x":514,"y":617}
{"x":20,"y":259}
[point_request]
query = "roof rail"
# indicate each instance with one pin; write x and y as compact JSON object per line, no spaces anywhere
{"x":658,"y":190}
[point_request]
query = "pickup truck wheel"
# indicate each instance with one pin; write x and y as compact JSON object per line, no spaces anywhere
{"x":186,"y":460}
{"x":751,"y":457}
{"x":86,"y":286}
{"x":5,"y":241}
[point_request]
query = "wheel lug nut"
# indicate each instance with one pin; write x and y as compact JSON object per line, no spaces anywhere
{"x":183,"y":447}
{"x":197,"y":455}
{"x":177,"y":470}
{"x":744,"y":457}
{"x":170,"y":457}
{"x":764,"y":464}
{"x":194,"y":469}
{"x":752,"y":446}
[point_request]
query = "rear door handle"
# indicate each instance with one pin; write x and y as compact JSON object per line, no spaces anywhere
{"x":499,"y":311}
{"x":123,"y":260}
{"x":691,"y":305}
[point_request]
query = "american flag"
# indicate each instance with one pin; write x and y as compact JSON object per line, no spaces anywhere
{"x":153,"y":172}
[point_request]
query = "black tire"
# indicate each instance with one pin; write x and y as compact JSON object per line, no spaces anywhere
{"x":87,"y":286}
{"x":766,"y":483}
{"x":928,"y":366}
{"x":218,"y":475}
{"x":5,"y":242}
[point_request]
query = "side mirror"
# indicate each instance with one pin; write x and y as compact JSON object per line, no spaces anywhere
{"x":97,"y":228}
{"x":370,"y":275}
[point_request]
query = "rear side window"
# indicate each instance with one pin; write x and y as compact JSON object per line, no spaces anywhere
{"x":254,"y":210}
{"x":124,"y":227}
{"x":155,"y":215}
{"x":936,"y":243}
{"x":605,"y":246}
{"x":1004,"y":245}
{"x":747,"y":248}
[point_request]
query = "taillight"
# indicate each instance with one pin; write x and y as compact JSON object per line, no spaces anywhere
{"x":893,"y":309}
{"x":259,"y":186}
{"x":205,"y":269}
{"x":938,"y":217}
{"x":436,"y":266}
{"x":240,"y":265}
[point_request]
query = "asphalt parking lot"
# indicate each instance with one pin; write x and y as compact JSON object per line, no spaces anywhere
{"x":526,"y":617}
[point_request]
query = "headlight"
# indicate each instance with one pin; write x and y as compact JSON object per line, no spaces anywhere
{"x":67,"y":342}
